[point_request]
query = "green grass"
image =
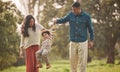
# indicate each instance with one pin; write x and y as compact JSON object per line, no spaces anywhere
{"x":101,"y":66}
{"x":64,"y":66}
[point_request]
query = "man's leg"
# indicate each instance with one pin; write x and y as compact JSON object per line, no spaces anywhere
{"x":83,"y":53}
{"x":73,"y":56}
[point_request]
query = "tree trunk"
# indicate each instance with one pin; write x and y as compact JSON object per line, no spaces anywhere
{"x":111,"y":55}
{"x":111,"y":40}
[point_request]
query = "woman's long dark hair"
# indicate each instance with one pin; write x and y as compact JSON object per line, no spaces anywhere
{"x":26,"y":25}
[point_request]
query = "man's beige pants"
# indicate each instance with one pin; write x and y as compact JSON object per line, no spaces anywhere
{"x":78,"y":52}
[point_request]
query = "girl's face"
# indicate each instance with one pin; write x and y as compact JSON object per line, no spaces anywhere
{"x":45,"y":35}
{"x":31,"y":22}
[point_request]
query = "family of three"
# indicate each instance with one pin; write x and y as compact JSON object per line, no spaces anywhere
{"x":80,"y":27}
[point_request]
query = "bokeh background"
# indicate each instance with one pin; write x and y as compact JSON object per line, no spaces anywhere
{"x":105,"y":16}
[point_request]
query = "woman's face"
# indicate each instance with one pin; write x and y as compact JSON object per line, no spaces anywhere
{"x":31,"y":22}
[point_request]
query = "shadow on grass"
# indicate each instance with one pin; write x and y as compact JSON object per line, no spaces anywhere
{"x":66,"y":70}
{"x":60,"y":62}
{"x":94,"y":65}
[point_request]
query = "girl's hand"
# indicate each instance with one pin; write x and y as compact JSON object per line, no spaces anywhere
{"x":53,"y":27}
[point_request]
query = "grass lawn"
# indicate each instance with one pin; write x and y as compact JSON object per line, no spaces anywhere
{"x":64,"y":66}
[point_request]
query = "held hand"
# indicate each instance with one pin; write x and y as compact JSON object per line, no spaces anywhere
{"x":90,"y":44}
{"x":54,"y":22}
{"x":53,"y":27}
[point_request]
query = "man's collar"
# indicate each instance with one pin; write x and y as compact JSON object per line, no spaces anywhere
{"x":81,"y":13}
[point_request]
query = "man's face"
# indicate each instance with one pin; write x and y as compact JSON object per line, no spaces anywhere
{"x":76,"y":11}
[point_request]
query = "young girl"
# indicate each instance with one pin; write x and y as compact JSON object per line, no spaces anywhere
{"x":45,"y":49}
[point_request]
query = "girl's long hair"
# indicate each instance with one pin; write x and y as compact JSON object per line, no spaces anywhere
{"x":26,"y":25}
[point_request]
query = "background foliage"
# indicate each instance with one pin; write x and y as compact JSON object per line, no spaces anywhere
{"x":106,"y":22}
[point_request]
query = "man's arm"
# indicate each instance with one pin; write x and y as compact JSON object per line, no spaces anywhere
{"x":62,"y":20}
{"x":91,"y":31}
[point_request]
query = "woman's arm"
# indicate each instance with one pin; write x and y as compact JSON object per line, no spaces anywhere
{"x":21,"y":46}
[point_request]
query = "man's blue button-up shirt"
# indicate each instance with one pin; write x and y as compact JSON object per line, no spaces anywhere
{"x":80,"y":25}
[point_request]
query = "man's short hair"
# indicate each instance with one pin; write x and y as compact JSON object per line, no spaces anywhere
{"x":76,"y":4}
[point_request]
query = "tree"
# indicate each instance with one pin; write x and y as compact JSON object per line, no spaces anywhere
{"x":113,"y":27}
{"x":107,"y":27}
{"x":106,"y":13}
{"x":9,"y":39}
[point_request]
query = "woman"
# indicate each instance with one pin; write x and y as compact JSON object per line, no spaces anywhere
{"x":30,"y":41}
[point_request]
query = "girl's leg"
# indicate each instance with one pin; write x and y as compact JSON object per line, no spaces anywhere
{"x":38,"y":55}
{"x":39,"y":58}
{"x":45,"y":57}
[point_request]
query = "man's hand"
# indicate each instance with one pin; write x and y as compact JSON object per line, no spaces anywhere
{"x":90,"y":44}
{"x":54,"y":21}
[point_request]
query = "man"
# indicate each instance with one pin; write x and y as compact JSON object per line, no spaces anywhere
{"x":80,"y":25}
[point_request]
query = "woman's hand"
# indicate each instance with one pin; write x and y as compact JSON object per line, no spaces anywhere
{"x":21,"y":53}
